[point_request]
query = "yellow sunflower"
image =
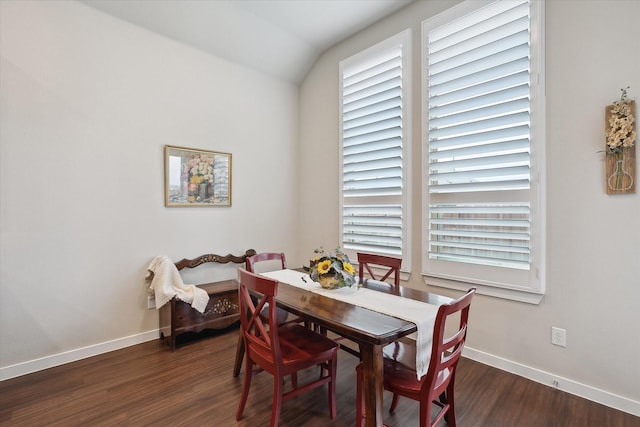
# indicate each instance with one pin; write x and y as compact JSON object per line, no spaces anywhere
{"x":324,"y":266}
{"x":348,"y":268}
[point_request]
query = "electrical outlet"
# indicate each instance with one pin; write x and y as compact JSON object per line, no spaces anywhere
{"x":559,"y":336}
{"x":151,"y":301}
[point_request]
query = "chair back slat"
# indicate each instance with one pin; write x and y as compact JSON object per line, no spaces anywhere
{"x":389,"y":265}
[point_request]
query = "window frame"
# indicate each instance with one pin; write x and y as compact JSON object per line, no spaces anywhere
{"x":535,"y":290}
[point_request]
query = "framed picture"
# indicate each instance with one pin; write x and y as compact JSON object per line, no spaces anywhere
{"x":195,"y":177}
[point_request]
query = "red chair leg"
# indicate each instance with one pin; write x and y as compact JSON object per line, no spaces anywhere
{"x":245,"y":388}
{"x":394,"y":403}
{"x":278,"y":386}
{"x":425,"y":414}
{"x":450,"y":416}
{"x":239,"y":356}
{"x":333,"y":367}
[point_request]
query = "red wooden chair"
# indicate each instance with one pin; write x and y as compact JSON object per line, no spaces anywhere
{"x":281,"y":314}
{"x":390,"y":265}
{"x":437,"y":385}
{"x":280,"y":350}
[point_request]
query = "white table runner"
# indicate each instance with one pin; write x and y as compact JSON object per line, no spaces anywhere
{"x":418,"y":312}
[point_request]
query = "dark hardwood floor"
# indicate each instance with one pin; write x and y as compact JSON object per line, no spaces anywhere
{"x":147,"y":384}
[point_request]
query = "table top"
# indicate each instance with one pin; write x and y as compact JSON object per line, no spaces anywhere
{"x":353,"y":322}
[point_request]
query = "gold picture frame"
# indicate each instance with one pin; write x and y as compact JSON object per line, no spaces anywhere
{"x":194,"y":177}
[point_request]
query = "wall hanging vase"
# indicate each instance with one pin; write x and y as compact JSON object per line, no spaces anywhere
{"x":620,"y":149}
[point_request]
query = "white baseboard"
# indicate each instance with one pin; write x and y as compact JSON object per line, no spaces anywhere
{"x":570,"y":386}
{"x":24,"y":368}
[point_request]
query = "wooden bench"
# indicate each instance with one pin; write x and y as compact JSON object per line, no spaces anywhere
{"x":222,"y":311}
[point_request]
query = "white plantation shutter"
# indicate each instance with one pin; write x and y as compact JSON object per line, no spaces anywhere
{"x":478,"y":101}
{"x":478,"y":93}
{"x":372,"y":124}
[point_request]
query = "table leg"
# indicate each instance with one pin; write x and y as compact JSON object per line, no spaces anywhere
{"x":372,"y":373}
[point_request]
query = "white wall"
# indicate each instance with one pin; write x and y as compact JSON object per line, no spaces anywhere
{"x":87,"y":104}
{"x":593,"y":240}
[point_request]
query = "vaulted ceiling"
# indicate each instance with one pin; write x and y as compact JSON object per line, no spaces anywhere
{"x":282,"y":38}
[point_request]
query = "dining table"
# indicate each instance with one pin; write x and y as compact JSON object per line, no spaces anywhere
{"x":344,"y":313}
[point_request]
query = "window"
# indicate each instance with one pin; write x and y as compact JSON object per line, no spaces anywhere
{"x":374,"y":117}
{"x":483,"y":108}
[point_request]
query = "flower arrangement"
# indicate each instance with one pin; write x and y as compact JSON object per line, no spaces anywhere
{"x":332,"y":270}
{"x":621,"y":133}
{"x":196,"y":171}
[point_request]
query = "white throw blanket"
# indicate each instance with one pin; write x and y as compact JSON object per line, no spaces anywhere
{"x":418,"y":312}
{"x":164,"y":280}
